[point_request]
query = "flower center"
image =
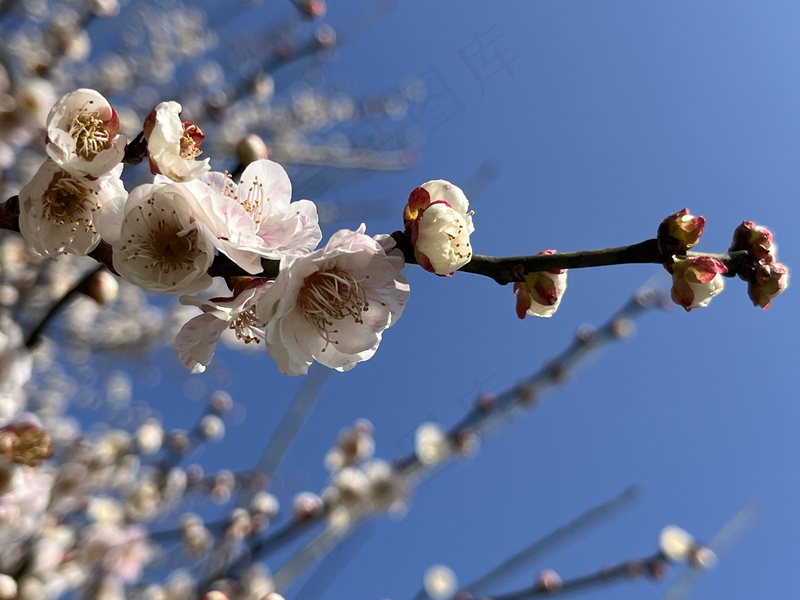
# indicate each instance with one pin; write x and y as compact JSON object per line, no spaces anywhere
{"x":169,"y":250}
{"x":246,"y":326}
{"x":66,"y":201}
{"x":330,"y":296}
{"x":90,"y":134}
{"x":168,"y":246}
{"x":189,"y":149}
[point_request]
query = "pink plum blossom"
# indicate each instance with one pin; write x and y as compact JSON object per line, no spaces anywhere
{"x":278,"y":225}
{"x":332,"y":305}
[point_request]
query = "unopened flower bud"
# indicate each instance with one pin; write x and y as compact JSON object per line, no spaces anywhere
{"x":105,"y":8}
{"x":440,"y":582}
{"x":679,"y":232}
{"x":702,"y":557}
{"x":539,"y":293}
{"x":102,"y":287}
{"x":756,"y":239}
{"x":467,"y":442}
{"x":307,"y":506}
{"x":548,"y":581}
{"x":264,"y":503}
{"x":438,"y":217}
{"x":149,"y":437}
{"x":221,"y":402}
{"x":313,"y":9}
{"x":325,"y":36}
{"x":767,"y":281}
{"x":675,"y":543}
{"x":431,"y":444}
{"x":250,"y":149}
{"x":696,"y":280}
{"x":212,"y":428}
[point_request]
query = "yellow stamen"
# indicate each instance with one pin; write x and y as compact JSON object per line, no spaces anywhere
{"x":90,"y":134}
{"x":329,"y":296}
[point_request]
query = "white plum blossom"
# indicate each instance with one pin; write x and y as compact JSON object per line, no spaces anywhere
{"x":82,"y":134}
{"x":539,"y":293}
{"x":332,"y":305}
{"x":696,"y":280}
{"x":173,"y":144}
{"x":280,"y":226}
{"x":197,"y":339}
{"x":61,"y":212}
{"x":440,"y":222}
{"x":162,"y":246}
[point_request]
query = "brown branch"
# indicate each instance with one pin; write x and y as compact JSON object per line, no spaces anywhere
{"x":500,"y":269}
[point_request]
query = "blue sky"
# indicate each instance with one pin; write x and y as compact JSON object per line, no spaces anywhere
{"x":603,"y":118}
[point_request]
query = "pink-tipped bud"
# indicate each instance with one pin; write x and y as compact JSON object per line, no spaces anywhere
{"x":250,"y":149}
{"x":679,"y":232}
{"x":314,"y":9}
{"x":102,"y":287}
{"x":540,"y":293}
{"x":696,"y":280}
{"x":548,"y":581}
{"x":767,"y":282}
{"x":438,"y":218}
{"x":756,"y":239}
{"x":307,"y":506}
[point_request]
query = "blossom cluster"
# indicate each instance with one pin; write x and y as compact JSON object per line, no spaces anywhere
{"x":328,"y":305}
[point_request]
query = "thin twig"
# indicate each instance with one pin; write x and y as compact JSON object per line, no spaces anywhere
{"x":549,"y":542}
{"x":289,"y":426}
{"x":35,"y":335}
{"x":654,"y":567}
